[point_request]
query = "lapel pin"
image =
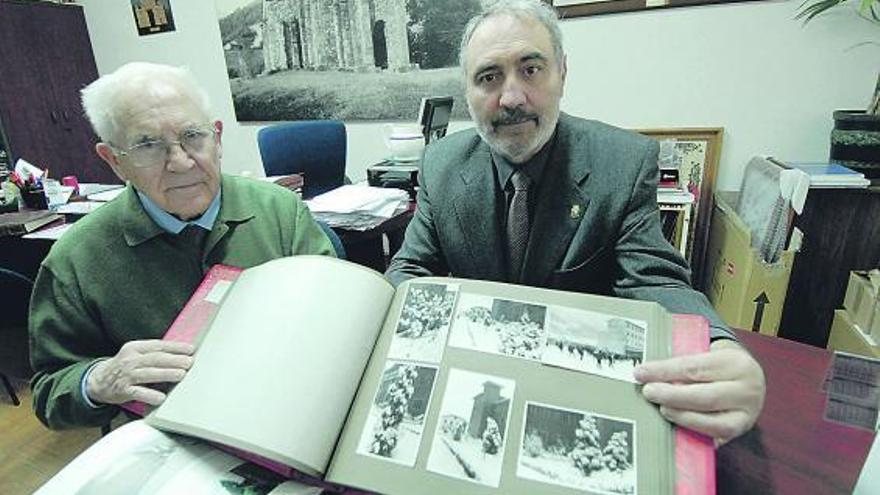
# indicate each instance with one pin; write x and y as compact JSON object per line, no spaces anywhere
{"x":575,"y":212}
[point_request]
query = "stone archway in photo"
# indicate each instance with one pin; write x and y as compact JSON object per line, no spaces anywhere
{"x":360,"y":35}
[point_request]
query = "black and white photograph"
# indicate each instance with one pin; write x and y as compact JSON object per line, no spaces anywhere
{"x":472,"y":427}
{"x":393,"y":430}
{"x":136,"y":458}
{"x":596,"y":343}
{"x":580,"y":450}
{"x":499,"y":326}
{"x":424,"y":322}
{"x":351,"y":60}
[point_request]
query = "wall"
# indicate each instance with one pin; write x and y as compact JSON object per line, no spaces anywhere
{"x":747,"y":67}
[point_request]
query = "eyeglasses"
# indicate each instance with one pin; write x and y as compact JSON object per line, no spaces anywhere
{"x":155,"y":152}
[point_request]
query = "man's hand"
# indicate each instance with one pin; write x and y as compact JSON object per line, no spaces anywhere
{"x":719,"y":393}
{"x":139,"y":362}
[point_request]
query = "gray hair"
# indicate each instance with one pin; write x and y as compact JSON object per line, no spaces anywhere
{"x":533,"y":9}
{"x":106,"y":99}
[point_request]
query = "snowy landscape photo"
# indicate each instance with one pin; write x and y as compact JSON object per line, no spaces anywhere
{"x":595,"y":343}
{"x":394,"y":427}
{"x":575,"y":449}
{"x":472,"y":427}
{"x":424,"y":322}
{"x":499,"y":326}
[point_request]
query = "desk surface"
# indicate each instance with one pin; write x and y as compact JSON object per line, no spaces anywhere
{"x":792,"y":449}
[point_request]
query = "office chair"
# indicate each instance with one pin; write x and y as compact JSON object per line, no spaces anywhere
{"x":15,"y":292}
{"x":313,"y":148}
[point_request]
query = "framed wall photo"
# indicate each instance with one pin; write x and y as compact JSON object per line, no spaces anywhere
{"x":578,"y":8}
{"x":351,"y":60}
{"x":152,"y":16}
{"x":695,"y":153}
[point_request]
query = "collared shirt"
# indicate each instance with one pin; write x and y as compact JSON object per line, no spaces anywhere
{"x":174,"y":225}
{"x":534,"y":167}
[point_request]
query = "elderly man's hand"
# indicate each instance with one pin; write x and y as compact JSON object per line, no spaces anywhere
{"x":719,"y":393}
{"x":123,"y":377}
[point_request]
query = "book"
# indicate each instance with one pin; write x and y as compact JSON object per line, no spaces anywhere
{"x":23,"y":222}
{"x":668,"y":178}
{"x":831,"y":175}
{"x":318,"y":366}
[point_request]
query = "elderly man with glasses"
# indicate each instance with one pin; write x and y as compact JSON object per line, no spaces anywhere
{"x":112,"y":285}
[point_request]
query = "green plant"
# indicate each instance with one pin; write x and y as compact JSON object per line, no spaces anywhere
{"x":869,"y":9}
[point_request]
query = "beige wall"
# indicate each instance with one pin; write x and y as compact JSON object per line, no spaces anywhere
{"x":748,"y":67}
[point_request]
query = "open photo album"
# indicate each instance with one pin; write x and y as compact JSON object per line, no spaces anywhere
{"x":318,"y":366}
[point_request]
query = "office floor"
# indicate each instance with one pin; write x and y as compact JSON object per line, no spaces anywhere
{"x":30,"y":453}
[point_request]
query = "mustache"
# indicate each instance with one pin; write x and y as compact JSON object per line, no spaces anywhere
{"x":511,"y":116}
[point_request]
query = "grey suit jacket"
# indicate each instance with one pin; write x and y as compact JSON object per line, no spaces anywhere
{"x":596,"y":225}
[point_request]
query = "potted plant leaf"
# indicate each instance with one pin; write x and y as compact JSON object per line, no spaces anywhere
{"x":855,"y":140}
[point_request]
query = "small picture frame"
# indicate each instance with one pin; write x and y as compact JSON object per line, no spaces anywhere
{"x":152,"y":16}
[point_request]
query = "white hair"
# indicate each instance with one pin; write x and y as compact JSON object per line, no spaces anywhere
{"x":105,"y":100}
{"x":530,"y":9}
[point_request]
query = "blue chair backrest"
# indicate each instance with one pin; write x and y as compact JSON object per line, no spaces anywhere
{"x":314,"y":148}
{"x":334,"y":239}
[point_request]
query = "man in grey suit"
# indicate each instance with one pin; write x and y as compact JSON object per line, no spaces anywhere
{"x":540,"y":198}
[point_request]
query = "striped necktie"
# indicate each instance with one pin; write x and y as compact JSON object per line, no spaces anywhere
{"x":518,"y":223}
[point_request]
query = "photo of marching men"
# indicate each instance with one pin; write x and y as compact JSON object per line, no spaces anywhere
{"x":393,"y":430}
{"x":472,"y":427}
{"x":499,"y":326}
{"x":424,"y":322}
{"x":579,"y":450}
{"x":594,"y":342}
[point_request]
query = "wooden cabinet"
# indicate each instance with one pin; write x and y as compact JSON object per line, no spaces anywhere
{"x":47,"y":59}
{"x":841,"y":233}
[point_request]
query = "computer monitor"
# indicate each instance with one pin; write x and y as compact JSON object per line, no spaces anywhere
{"x":434,"y":117}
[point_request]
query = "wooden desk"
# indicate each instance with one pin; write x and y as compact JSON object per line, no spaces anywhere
{"x":792,"y":449}
{"x":367,"y":247}
{"x":362,"y":247}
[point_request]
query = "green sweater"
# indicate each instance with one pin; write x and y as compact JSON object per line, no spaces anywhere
{"x":116,"y":276}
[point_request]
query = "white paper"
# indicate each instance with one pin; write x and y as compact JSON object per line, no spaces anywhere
{"x":79,"y":208}
{"x":869,"y":480}
{"x":106,"y":196}
{"x":51,"y":233}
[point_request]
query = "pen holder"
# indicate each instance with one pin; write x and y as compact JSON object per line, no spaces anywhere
{"x":34,"y":199}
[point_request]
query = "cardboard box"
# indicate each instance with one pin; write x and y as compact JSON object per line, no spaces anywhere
{"x":861,"y":301}
{"x":875,"y":324}
{"x":846,"y":337}
{"x":747,"y":293}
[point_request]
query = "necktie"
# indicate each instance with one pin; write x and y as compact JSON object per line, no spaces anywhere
{"x":192,"y":238}
{"x":518,"y":223}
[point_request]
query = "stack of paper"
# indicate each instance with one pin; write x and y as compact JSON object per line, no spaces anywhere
{"x":675,"y":196}
{"x":831,"y":175}
{"x":356,"y":207}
